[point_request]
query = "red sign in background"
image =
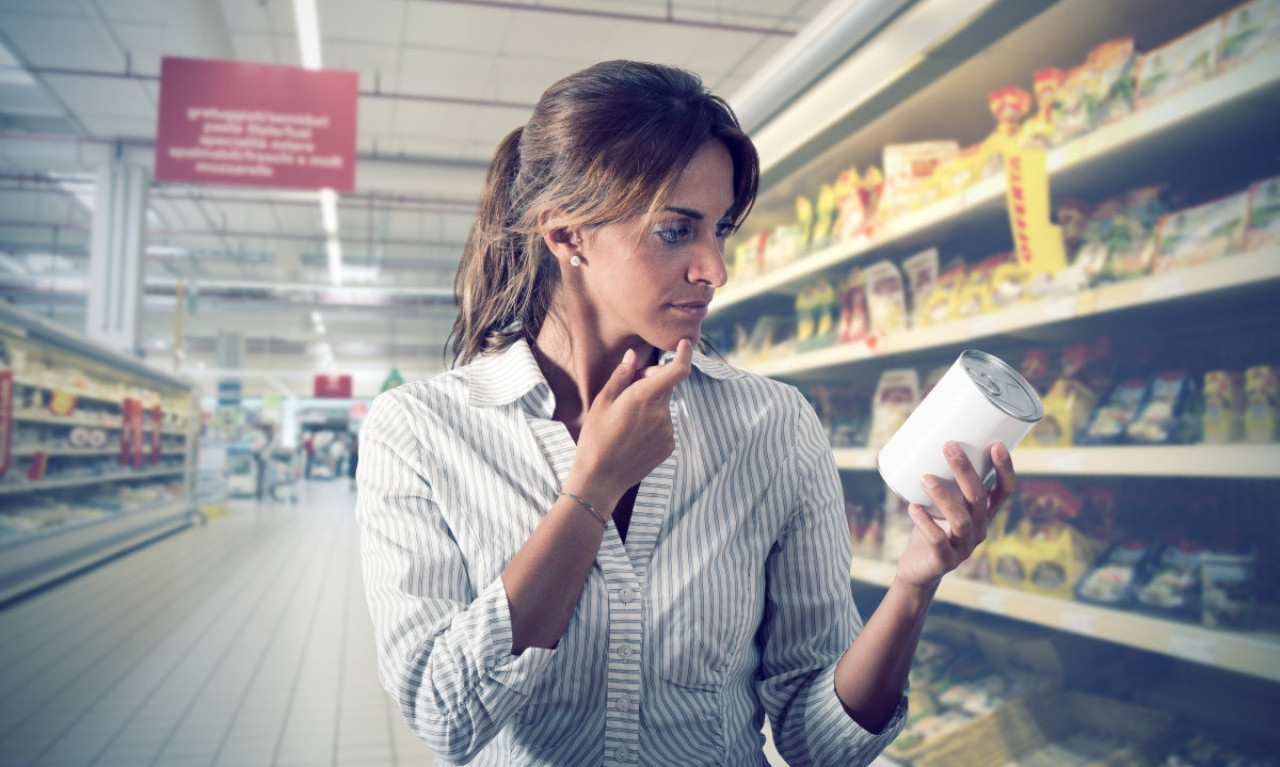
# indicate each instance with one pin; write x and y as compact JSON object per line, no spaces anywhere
{"x":332,"y":386}
{"x":157,"y":433}
{"x":231,"y":122}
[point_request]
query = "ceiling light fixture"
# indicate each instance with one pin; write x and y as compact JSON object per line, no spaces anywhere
{"x":307,"y":22}
{"x":329,"y":211}
{"x":333,"y":250}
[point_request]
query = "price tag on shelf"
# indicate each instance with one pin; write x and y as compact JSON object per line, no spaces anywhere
{"x":1058,"y":309}
{"x":1163,"y":286}
{"x":1195,"y":647}
{"x":984,"y":325}
{"x":1079,"y":621}
{"x":993,"y":601}
{"x":1069,"y":461}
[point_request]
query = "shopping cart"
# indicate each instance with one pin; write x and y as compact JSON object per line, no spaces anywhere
{"x":284,"y":474}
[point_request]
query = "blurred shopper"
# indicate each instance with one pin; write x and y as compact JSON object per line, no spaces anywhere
{"x":309,"y":454}
{"x":591,"y":544}
{"x":353,"y":457}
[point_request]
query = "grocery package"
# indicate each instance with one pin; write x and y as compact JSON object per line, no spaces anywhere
{"x":1187,"y":61}
{"x":1264,"y":215}
{"x":1035,"y":368}
{"x":959,"y":172}
{"x":1071,"y":398}
{"x":817,"y":316}
{"x":855,"y":213}
{"x":748,"y":258}
{"x":1038,"y":130}
{"x":1248,"y":32}
{"x":824,"y":218}
{"x":940,"y":305}
{"x":1200,"y":234}
{"x":1119,"y":240}
{"x":1096,"y":92}
{"x":1108,"y":423}
{"x":1223,"y":416}
{"x":1170,"y":413}
{"x":974,"y":296}
{"x":1170,"y":587}
{"x":804,"y":224}
{"x":843,"y":412}
{"x":855,"y":323}
{"x":1109,"y":582}
{"x":922,"y":272}
{"x":1009,"y":106}
{"x":897,"y":394}
{"x":1229,"y":590}
{"x":1046,"y":553}
{"x":1262,"y":398}
{"x":907,"y":171}
{"x":886,"y":297}
{"x":763,"y":339}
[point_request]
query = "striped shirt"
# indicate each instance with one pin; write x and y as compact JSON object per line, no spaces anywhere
{"x":730,"y":598}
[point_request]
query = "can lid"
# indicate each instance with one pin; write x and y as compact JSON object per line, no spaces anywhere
{"x":1002,"y":385}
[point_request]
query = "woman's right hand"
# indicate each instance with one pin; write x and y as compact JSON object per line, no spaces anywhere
{"x":627,"y":431}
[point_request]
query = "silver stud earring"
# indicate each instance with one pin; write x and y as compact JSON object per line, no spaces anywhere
{"x":575,"y":261}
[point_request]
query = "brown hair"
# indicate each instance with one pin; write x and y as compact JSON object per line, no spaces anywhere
{"x":602,"y":145}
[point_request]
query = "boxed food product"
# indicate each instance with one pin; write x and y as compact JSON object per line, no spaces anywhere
{"x":1223,"y":416}
{"x":1170,"y":587}
{"x":907,"y":168}
{"x":1111,"y":579}
{"x":897,"y":394}
{"x":1169,"y":413}
{"x":1264,"y":215}
{"x":922,"y":272}
{"x":886,"y":297}
{"x":1175,"y":66}
{"x":940,"y":304}
{"x":1096,"y":92}
{"x":974,"y":297}
{"x":1197,"y":235}
{"x":1248,"y":32}
{"x":1262,"y":398}
{"x":1108,"y":423}
{"x":854,"y":321}
{"x":1229,"y":590}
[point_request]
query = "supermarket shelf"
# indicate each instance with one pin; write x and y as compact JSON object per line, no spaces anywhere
{"x":83,"y":452}
{"x":1226,"y":461}
{"x":1254,"y":654}
{"x":30,"y":561}
{"x":54,"y":484}
{"x":79,"y":395}
{"x":1086,"y":153}
{"x":1240,"y":271}
{"x":61,"y":420}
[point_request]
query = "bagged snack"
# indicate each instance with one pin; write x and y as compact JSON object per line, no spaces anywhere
{"x":1096,"y":92}
{"x":1264,"y":215}
{"x":1038,"y":131}
{"x":975,"y":294}
{"x":853,"y":218}
{"x":1223,"y":416}
{"x":1197,"y":235}
{"x":1248,"y":32}
{"x":1108,"y":423}
{"x":1261,"y":398}
{"x":1069,"y":402}
{"x":1010,"y":284}
{"x":854,"y":321}
{"x":1187,"y":61}
{"x":886,"y":298}
{"x":1110,"y":581}
{"x":817,"y":315}
{"x":897,"y":394}
{"x":1162,"y":418}
{"x":940,"y":304}
{"x":959,"y":172}
{"x":1009,"y":106}
{"x":1035,"y":368}
{"x":824,"y":218}
{"x":922,"y":272}
{"x":804,"y":224}
{"x":907,"y":167}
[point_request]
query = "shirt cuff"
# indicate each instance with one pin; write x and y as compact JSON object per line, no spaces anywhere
{"x":834,"y":737}
{"x":518,"y":673}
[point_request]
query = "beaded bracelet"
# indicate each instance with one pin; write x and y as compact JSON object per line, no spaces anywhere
{"x":599,"y":517}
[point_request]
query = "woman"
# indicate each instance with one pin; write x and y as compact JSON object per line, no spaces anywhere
{"x":576,"y":554}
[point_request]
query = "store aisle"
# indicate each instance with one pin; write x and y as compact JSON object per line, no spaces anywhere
{"x":242,"y":642}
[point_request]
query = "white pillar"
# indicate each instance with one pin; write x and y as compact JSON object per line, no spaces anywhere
{"x":116,"y":257}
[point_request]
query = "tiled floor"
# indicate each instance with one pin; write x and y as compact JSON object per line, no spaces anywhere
{"x":243,"y":643}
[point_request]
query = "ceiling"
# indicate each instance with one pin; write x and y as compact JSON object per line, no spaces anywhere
{"x":441,"y":82}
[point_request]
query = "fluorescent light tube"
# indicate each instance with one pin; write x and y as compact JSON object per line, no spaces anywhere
{"x":307,"y":23}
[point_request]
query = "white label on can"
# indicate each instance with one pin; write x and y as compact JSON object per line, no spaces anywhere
{"x":1195,"y":647}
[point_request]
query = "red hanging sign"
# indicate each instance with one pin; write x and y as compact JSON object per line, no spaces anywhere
{"x":232,"y":122}
{"x":332,"y":386}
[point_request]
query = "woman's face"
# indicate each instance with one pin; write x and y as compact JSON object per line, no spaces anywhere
{"x":654,"y":277}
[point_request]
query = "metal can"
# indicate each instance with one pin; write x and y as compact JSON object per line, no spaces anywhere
{"x":978,"y":402}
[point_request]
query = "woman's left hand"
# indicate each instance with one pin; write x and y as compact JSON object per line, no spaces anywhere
{"x":936,"y":547}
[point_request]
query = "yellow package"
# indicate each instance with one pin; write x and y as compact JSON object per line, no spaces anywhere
{"x":1223,"y":407}
{"x":804,"y":222}
{"x":1260,"y":392}
{"x":824,"y":217}
{"x":1047,"y":561}
{"x":1067,"y":407}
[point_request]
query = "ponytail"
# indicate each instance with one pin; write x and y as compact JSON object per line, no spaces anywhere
{"x":505,"y":281}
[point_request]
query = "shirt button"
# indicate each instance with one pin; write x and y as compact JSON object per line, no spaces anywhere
{"x":626,"y":594}
{"x":623,"y":704}
{"x":625,"y":651}
{"x":622,"y":755}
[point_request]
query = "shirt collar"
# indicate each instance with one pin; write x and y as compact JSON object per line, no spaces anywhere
{"x":512,"y":374}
